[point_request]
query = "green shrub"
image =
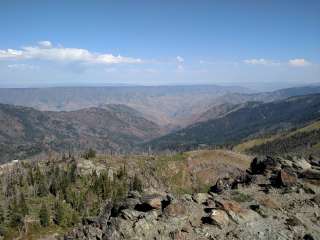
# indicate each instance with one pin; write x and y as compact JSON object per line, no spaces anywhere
{"x":241,"y":197}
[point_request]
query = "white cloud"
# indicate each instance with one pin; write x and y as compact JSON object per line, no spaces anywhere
{"x":260,"y":61}
{"x":180,"y":62}
{"x":46,"y":51}
{"x":180,"y":59}
{"x":10,"y":54}
{"x":45,"y":44}
{"x":298,"y":62}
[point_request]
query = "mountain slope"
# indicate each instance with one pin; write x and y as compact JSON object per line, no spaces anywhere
{"x":253,"y":119}
{"x":222,"y":105}
{"x":303,"y":141}
{"x":26,"y":131}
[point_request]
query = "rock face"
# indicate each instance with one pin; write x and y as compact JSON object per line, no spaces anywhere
{"x":221,"y":185}
{"x":286,"y":179}
{"x":247,"y":212}
{"x":261,"y":166}
{"x":219,"y":218}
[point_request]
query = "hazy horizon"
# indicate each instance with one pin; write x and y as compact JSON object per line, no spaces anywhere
{"x":263,"y":45}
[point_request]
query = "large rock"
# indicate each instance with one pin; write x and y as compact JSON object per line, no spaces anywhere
{"x":219,"y":218}
{"x":200,"y":198}
{"x":149,"y":202}
{"x":229,"y":205}
{"x":222,"y":185}
{"x":130,"y":214}
{"x":316,"y":199}
{"x":301,"y":164}
{"x":175,"y":210}
{"x":263,"y":165}
{"x":237,"y":213}
{"x":286,"y":179}
{"x":87,"y":232}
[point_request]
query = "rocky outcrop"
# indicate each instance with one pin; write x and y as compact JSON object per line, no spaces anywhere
{"x":234,"y":208}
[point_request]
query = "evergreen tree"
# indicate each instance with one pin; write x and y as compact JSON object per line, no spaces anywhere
{"x":16,"y":219}
{"x":44,"y":216}
{"x":136,"y":184}
{"x":30,"y":177}
{"x":23,"y":208}
{"x":54,"y":187}
{"x":74,"y":218}
{"x":2,"y":215}
{"x":72,"y":172}
{"x":58,"y":213}
{"x":14,"y":214}
{"x":42,"y":189}
{"x":38,"y":175}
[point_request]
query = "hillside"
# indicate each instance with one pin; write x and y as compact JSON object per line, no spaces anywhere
{"x":165,"y":105}
{"x":222,"y":105}
{"x":214,"y":193}
{"x":81,"y":186}
{"x":25,"y":131}
{"x":254,"y":119}
{"x":304,"y":141}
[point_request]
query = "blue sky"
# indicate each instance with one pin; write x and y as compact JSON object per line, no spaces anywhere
{"x":251,"y":43}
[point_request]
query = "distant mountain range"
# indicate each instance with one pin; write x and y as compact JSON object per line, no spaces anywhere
{"x":231,"y":101}
{"x":26,"y":132}
{"x":184,"y":117}
{"x":170,"y":106}
{"x":254,"y":118}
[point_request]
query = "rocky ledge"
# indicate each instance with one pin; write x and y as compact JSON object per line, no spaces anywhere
{"x":275,"y":199}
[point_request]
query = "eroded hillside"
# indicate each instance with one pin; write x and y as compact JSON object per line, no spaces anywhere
{"x":26,"y":132}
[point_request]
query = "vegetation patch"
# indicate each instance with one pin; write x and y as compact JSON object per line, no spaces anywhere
{"x":240,"y":197}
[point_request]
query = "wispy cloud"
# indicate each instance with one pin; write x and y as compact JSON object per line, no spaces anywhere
{"x":260,"y":61}
{"x":23,"y":66}
{"x":296,"y":62}
{"x":45,"y":44}
{"x":45,"y":50}
{"x":180,"y":59}
{"x":299,"y":62}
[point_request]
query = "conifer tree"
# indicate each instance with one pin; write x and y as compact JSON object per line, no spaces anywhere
{"x":44,"y":216}
{"x":42,"y":189}
{"x":136,"y":184}
{"x":23,"y":208}
{"x":14,"y":214}
{"x":2,"y":215}
{"x":58,"y":213}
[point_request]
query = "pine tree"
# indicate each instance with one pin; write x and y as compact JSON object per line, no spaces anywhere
{"x":136,"y":184}
{"x":58,"y":213}
{"x":42,"y":189}
{"x":44,"y":216}
{"x":14,"y":214}
{"x":2,"y":215}
{"x":30,"y":177}
{"x":54,"y":187}
{"x":72,"y":172}
{"x":23,"y":205}
{"x":38,"y":175}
